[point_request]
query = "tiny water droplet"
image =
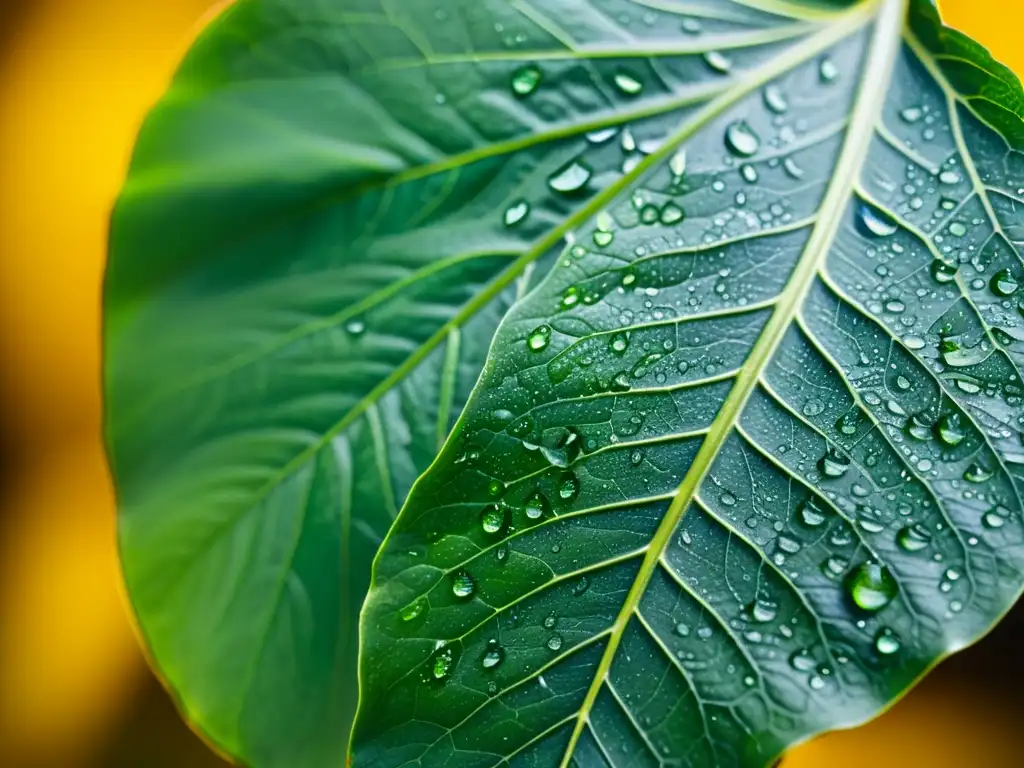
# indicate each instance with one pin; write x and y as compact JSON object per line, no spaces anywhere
{"x":581,"y":586}
{"x":537,"y":506}
{"x":993,"y":520}
{"x":677,"y":163}
{"x":911,"y":114}
{"x":355,"y":327}
{"x":569,"y":487}
{"x":570,"y":178}
{"x":555,"y":642}
{"x":827,"y":70}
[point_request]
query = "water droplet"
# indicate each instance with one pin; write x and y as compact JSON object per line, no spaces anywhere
{"x":943,"y":272}
{"x":555,"y":642}
{"x":827,"y":70}
{"x":570,"y":178}
{"x":992,"y":519}
{"x":494,"y":655}
{"x":717,"y":61}
{"x":691,"y":26}
{"x":525,"y":80}
{"x":775,"y":100}
{"x":539,"y":338}
{"x":872,"y":221}
{"x":956,"y":229}
{"x":802,"y":661}
{"x":741,"y":139}
{"x":356,"y":327}
{"x":886,"y":642}
{"x":810,"y":515}
{"x":834,"y":567}
{"x":537,"y":506}
{"x":628,"y":84}
{"x":601,"y":135}
{"x":550,"y":620}
{"x":749,"y":174}
{"x":1004,"y":283}
{"x":581,"y":586}
{"x":671,"y":214}
{"x":913,"y":538}
{"x":677,"y":164}
{"x":414,"y":609}
{"x":833,"y":464}
{"x":792,"y":170}
{"x":492,"y":520}
{"x":871,"y":586}
{"x":763,"y":611}
{"x":848,"y":423}
{"x":911,"y":114}
{"x":516,"y":213}
{"x":949,"y":430}
{"x":442,"y":665}
{"x":569,"y":488}
{"x":682,"y":629}
{"x":495,"y":488}
{"x":463,"y":585}
{"x":977,"y":473}
{"x":949,"y":177}
{"x":628,"y":142}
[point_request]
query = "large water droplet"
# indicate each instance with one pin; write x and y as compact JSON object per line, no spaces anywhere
{"x":463,"y":585}
{"x":741,"y":139}
{"x":415,"y":609}
{"x":537,"y":506}
{"x":628,"y":84}
{"x":539,"y":338}
{"x":913,"y":538}
{"x":810,"y":515}
{"x":525,"y":80}
{"x":872,"y":221}
{"x":949,"y":431}
{"x":569,"y":487}
{"x":977,"y":473}
{"x":775,"y":99}
{"x":763,"y":611}
{"x":516,"y":213}
{"x":886,"y":642}
{"x":492,"y":519}
{"x":833,"y":464}
{"x":871,"y":586}
{"x":943,"y":272}
{"x":443,"y":663}
{"x":1004,"y":283}
{"x":570,"y":178}
{"x":717,"y":61}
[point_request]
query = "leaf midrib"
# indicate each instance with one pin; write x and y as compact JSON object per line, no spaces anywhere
{"x":880,"y":58}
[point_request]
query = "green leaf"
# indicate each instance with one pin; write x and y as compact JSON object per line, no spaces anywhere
{"x":324,"y":221}
{"x":755,"y":444}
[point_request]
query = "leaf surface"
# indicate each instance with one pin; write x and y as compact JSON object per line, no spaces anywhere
{"x":748,"y":462}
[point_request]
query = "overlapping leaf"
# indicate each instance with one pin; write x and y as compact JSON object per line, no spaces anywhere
{"x":748,"y":462}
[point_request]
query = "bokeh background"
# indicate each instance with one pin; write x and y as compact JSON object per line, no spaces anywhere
{"x":76,"y":77}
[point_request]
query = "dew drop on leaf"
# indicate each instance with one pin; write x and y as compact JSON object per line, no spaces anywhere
{"x":763,"y":611}
{"x":977,"y":473}
{"x":415,"y":609}
{"x":570,"y":178}
{"x":442,"y":665}
{"x":810,"y":515}
{"x":949,"y":431}
{"x":886,"y":642}
{"x":355,"y":327}
{"x":775,"y":100}
{"x":494,"y":655}
{"x":628,"y":84}
{"x":871,"y":586}
{"x":539,"y":338}
{"x":516,"y":213}
{"x":942,"y":272}
{"x":718,"y":62}
{"x":492,"y":520}
{"x":525,"y":80}
{"x":741,"y":139}
{"x":913,"y":538}
{"x":827,"y":70}
{"x":569,"y":487}
{"x":911,"y":114}
{"x":555,"y":642}
{"x":1004,"y":283}
{"x":874,"y":222}
{"x":463,"y":585}
{"x":537,"y":506}
{"x":833,"y":464}
{"x":677,"y":163}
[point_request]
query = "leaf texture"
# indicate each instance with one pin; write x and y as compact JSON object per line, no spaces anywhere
{"x":748,"y":462}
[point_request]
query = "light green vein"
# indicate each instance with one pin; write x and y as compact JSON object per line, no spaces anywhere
{"x":880,"y":59}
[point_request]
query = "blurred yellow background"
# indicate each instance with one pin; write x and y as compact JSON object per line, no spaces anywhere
{"x":76,"y":77}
